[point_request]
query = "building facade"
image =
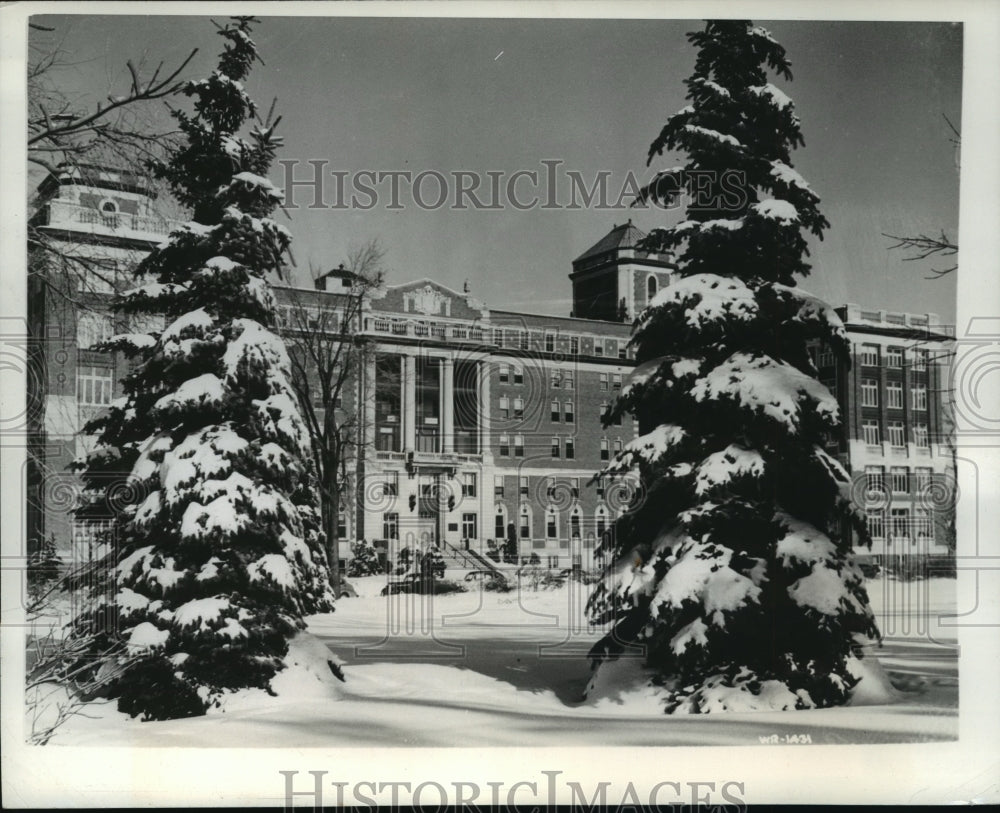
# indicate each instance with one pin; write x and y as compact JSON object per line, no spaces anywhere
{"x":479,"y":427}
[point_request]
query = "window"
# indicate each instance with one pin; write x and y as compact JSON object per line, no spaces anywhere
{"x":614,"y":419}
{"x":469,"y":484}
{"x":524,"y":523}
{"x":570,"y":449}
{"x":524,"y":339}
{"x":920,"y":360}
{"x":555,"y":446}
{"x":869,"y":392}
{"x":341,"y":524}
{"x":518,"y":445}
{"x":871,"y":433}
{"x":574,"y":345}
{"x":555,"y":379}
{"x":568,"y":380}
{"x":518,"y":371}
{"x":923,"y":476}
{"x":616,"y":381}
{"x":622,"y":352}
{"x":390,"y":485}
{"x":574,"y":523}
{"x":824,"y":357}
{"x":618,"y":446}
{"x":605,"y":452}
{"x":498,"y":485}
{"x":897,"y":437}
{"x":523,"y":486}
{"x":518,"y":408}
{"x":900,"y":523}
{"x":574,"y":487}
{"x":920,"y":438}
{"x":601,"y":520}
{"x":650,"y":288}
{"x":555,"y":411}
{"x":876,"y":524}
{"x":500,"y":524}
{"x":390,"y":526}
{"x":874,"y":480}
{"x":604,"y":382}
{"x":598,"y":348}
{"x":869,"y":355}
{"x":504,"y":407}
{"x":504,"y":373}
{"x":470,"y":526}
{"x":550,"y":488}
{"x":553,"y":561}
{"x":568,"y":408}
{"x":505,"y":446}
{"x":894,"y":394}
{"x":146,"y":322}
{"x":92,"y":328}
{"x":922,"y":527}
{"x":550,"y":343}
{"x":599,"y":487}
{"x":899,"y":477}
{"x":551,"y":524}
{"x":830,"y":384}
{"x":894,"y":356}
{"x":918,"y":396}
{"x":93,"y":385}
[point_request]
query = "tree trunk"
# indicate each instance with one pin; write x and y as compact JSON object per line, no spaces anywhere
{"x":330,"y":502}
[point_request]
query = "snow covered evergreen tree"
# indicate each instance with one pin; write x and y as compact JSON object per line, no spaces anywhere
{"x":219,"y":543}
{"x":734,"y":570}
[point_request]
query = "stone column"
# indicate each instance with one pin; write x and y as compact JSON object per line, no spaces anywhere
{"x":409,"y":403}
{"x":447,"y":405}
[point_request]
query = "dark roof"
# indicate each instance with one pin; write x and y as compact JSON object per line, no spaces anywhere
{"x":623,"y":236}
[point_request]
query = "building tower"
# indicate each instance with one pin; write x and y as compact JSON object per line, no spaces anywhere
{"x":613,"y":280}
{"x":92,"y":225}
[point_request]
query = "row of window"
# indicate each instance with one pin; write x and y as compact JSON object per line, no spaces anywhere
{"x":522,"y":340}
{"x":901,"y":525}
{"x":559,"y":411}
{"x":559,"y":378}
{"x":895,"y":357}
{"x":871,"y":431}
{"x":92,"y":328}
{"x":901,"y":479}
{"x":562,"y":446}
{"x":470,"y":525}
{"x":499,"y":489}
{"x":894,"y":394}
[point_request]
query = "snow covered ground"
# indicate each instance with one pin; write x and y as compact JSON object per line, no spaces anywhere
{"x":491,"y":669}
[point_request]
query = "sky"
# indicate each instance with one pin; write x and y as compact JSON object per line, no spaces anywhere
{"x":503,"y":95}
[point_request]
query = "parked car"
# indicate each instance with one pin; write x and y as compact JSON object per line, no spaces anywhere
{"x":410,"y":583}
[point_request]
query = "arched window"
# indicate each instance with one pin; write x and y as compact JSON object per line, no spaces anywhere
{"x":500,"y":522}
{"x":601,"y":520}
{"x":574,"y":522}
{"x":551,"y":523}
{"x":524,"y":522}
{"x":650,"y":288}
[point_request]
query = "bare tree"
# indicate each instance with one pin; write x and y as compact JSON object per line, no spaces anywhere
{"x":922,"y":246}
{"x":66,"y":134}
{"x":327,"y":357}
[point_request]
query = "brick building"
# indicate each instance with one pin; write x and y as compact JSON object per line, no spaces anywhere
{"x":476,"y":424}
